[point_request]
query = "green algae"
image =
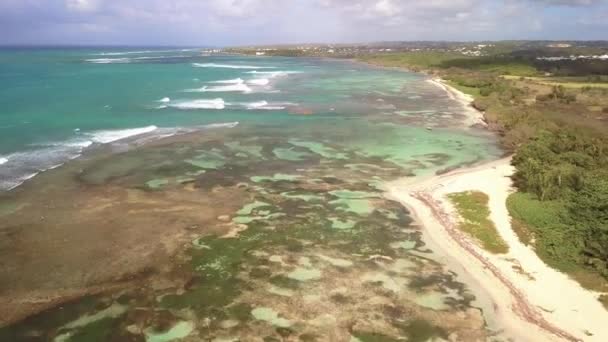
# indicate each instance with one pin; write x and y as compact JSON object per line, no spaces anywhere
{"x":289,"y":154}
{"x":284,"y":282}
{"x":277,"y":177}
{"x":420,"y":330}
{"x":178,"y":331}
{"x":319,"y":148}
{"x":270,"y":316}
{"x":96,"y":326}
{"x":198,"y":244}
{"x":417,"y":330}
{"x":372,"y":337}
{"x":215,"y":267}
{"x":157,"y":183}
{"x":103,"y":171}
{"x":8,"y":208}
{"x":97,"y":331}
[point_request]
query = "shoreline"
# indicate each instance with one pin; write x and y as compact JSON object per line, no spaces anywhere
{"x":475,"y":117}
{"x":509,"y":297}
{"x":517,"y":292}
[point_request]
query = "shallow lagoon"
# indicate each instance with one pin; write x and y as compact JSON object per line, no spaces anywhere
{"x":267,"y":231}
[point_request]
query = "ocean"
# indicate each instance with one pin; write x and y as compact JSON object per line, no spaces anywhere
{"x":161,"y":194}
{"x":56,"y":103}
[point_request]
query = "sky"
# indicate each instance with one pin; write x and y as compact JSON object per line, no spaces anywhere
{"x":250,"y":22}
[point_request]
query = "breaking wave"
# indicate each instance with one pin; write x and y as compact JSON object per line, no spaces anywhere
{"x":230,"y":66}
{"x":236,"y":85}
{"x":199,"y":104}
{"x":18,"y":167}
{"x":140,"y":52}
{"x":109,"y":60}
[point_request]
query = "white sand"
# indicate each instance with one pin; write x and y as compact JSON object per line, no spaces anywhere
{"x":549,"y":307}
{"x":474,"y":117}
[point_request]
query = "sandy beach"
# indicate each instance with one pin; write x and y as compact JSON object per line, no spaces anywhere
{"x":474,"y":116}
{"x":528,"y":300}
{"x":520,"y":295}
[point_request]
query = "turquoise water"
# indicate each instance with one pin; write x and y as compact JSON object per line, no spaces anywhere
{"x":55,"y":103}
{"x":269,"y":221}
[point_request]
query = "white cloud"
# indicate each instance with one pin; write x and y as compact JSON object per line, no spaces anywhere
{"x":82,"y":5}
{"x":267,"y":21}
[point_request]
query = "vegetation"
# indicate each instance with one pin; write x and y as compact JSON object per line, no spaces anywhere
{"x":604,"y":300}
{"x":553,"y":116}
{"x":472,"y":206}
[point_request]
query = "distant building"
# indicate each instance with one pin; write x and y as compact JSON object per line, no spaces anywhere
{"x":260,"y":53}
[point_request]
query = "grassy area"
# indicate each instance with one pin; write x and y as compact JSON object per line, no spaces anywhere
{"x":574,"y":82}
{"x":557,"y":128}
{"x":418,"y":61}
{"x":472,"y":206}
{"x":544,"y":226}
{"x":473,"y":91}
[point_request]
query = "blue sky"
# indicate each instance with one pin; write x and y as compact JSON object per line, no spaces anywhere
{"x":242,"y":22}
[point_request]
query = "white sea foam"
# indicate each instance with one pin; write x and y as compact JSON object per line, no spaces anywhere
{"x":273,"y":74}
{"x":258,"y":104}
{"x":3,"y":160}
{"x":140,"y":52}
{"x":161,"y":57}
{"x":230,"y":66}
{"x":259,"y":81}
{"x":233,"y":87}
{"x":109,"y":60}
{"x":233,"y":81}
{"x":265,"y":105}
{"x":165,"y":100}
{"x":200,"y":104}
{"x":104,"y":137}
{"x":222,"y":125}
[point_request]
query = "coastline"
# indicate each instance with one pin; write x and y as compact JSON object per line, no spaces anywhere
{"x":525,"y":298}
{"x":519,"y":294}
{"x":474,"y":116}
